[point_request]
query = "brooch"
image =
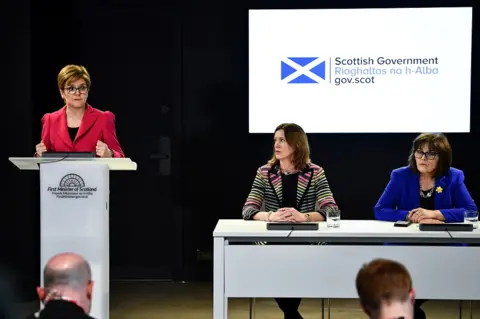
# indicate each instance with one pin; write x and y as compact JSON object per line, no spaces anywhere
{"x":439,"y":189}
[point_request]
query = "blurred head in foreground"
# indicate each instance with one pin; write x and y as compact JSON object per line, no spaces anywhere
{"x":385,"y":290}
{"x":67,"y":276}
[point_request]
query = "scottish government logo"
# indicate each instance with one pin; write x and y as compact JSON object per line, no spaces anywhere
{"x":355,"y":70}
{"x":303,"y":70}
{"x":72,"y":186}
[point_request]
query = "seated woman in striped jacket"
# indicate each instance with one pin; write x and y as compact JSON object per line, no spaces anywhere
{"x":291,"y":188}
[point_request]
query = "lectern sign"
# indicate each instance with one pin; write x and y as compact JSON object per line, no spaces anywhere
{"x":74,"y":217}
{"x":72,"y":186}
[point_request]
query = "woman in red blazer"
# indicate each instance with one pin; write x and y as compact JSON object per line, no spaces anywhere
{"x":78,"y":127}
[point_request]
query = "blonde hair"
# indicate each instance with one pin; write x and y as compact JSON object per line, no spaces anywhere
{"x":72,"y":73}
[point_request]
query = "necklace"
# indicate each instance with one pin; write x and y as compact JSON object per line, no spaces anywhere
{"x":428,"y":194}
{"x":289,"y":172}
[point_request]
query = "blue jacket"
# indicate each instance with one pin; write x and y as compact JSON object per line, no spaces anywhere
{"x":402,"y":194}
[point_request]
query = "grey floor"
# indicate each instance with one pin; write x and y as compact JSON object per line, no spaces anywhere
{"x":144,"y":299}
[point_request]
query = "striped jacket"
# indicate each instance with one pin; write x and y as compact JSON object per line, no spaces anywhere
{"x":313,"y":191}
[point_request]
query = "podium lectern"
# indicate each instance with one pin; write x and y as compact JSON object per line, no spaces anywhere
{"x":74,"y":210}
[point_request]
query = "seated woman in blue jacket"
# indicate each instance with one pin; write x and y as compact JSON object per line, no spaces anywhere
{"x":428,"y":190}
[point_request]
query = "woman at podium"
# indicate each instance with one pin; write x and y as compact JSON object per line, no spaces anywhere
{"x":77,"y":126}
{"x":427,"y":190}
{"x":290,"y":188}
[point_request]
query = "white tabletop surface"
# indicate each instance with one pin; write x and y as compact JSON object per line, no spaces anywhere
{"x":348,"y":228}
{"x":114,"y":164}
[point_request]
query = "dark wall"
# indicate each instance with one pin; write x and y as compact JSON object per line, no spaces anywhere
{"x":18,"y":223}
{"x":175,"y":75}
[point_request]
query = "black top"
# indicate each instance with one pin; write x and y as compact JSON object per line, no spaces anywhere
{"x":61,"y":309}
{"x":73,"y":132}
{"x":289,"y":185}
{"x":427,"y":203}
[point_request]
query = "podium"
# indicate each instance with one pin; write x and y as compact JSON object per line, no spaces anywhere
{"x":74,"y":214}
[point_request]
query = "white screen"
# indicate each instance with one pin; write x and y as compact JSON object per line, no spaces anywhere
{"x":425,"y":88}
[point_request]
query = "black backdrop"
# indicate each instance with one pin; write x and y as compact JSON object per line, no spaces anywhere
{"x":176,"y":76}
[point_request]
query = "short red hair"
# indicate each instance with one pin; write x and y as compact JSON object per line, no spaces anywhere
{"x":383,"y":281}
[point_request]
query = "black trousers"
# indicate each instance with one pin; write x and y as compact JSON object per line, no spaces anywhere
{"x":418,"y":312}
{"x":289,"y":307}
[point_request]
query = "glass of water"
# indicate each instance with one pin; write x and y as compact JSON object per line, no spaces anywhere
{"x":333,"y":218}
{"x":471,"y":217}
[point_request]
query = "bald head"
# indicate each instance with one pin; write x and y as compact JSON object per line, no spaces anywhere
{"x":66,"y":270}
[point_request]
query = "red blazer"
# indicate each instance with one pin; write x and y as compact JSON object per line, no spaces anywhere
{"x":96,"y":125}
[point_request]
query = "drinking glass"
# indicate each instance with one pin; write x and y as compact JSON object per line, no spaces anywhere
{"x":333,"y":218}
{"x":471,"y":217}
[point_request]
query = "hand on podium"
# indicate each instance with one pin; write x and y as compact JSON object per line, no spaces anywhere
{"x":102,"y":150}
{"x":40,"y":148}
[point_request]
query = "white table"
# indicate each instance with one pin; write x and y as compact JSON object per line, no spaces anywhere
{"x":245,"y":270}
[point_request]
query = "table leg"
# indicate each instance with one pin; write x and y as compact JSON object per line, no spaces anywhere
{"x":328,"y":308}
{"x":323,"y":308}
{"x":220,"y":302}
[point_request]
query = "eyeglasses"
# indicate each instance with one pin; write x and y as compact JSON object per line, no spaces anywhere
{"x":72,"y":90}
{"x":428,"y":155}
